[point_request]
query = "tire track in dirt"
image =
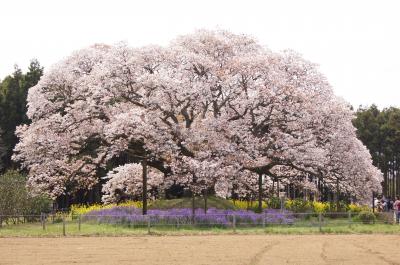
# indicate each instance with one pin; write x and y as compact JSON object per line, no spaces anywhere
{"x":255,"y":260}
{"x":378,"y":254}
{"x":323,"y":255}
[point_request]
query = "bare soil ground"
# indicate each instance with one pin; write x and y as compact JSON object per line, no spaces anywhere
{"x":207,"y":250}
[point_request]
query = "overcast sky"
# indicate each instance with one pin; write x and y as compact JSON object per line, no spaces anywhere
{"x":356,"y":43}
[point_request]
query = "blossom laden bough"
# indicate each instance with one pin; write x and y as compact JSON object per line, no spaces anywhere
{"x":125,"y":182}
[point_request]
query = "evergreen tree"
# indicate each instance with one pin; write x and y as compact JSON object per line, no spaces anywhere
{"x":13,"y":93}
{"x":380,"y":132}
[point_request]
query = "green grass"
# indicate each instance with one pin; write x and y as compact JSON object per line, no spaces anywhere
{"x":90,"y":229}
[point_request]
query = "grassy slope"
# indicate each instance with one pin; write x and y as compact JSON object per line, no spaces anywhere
{"x":187,"y":203}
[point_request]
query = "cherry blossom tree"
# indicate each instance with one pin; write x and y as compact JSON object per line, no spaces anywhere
{"x":349,"y":165}
{"x":213,"y":110}
{"x":63,"y":146}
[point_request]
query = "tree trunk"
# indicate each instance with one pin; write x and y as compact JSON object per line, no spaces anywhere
{"x":278,"y":188}
{"x":385,"y":184}
{"x":260,"y":192}
{"x":144,"y":194}
{"x":394,"y":180}
{"x":288,"y":191}
{"x":193,"y":207}
{"x":319,"y":189}
{"x":397,"y":177}
{"x":205,"y":194}
{"x":337,"y":195}
{"x":373,"y":201}
{"x":273,"y":187}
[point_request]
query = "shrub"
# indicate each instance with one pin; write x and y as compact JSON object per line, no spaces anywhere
{"x":366,"y":217}
{"x":13,"y":195}
{"x":58,"y":217}
{"x":299,"y":206}
{"x":247,"y":205}
{"x":320,"y":207}
{"x":15,"y":199}
{"x":355,"y":208}
{"x":274,"y":203}
{"x":38,"y":204}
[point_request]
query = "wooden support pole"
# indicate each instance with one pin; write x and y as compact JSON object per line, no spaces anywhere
{"x":63,"y":221}
{"x":144,"y":194}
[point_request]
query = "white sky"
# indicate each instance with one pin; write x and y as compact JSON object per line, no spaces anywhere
{"x":356,"y":43}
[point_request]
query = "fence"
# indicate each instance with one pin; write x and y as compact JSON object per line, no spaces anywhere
{"x":63,"y":223}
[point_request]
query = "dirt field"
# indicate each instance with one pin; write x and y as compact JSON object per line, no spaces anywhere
{"x":207,"y":250}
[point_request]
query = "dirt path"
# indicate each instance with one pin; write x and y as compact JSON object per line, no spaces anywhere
{"x":196,"y":250}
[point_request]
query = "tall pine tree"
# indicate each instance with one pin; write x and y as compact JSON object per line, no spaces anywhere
{"x":380,"y":132}
{"x":13,"y":92}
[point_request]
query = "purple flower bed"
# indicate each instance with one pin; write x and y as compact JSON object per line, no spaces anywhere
{"x":215,"y":217}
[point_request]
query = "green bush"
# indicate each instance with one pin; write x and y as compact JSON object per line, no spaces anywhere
{"x":366,"y":217}
{"x":299,"y":206}
{"x":343,"y":206}
{"x":320,"y":207}
{"x":274,"y":203}
{"x":38,"y":204}
{"x":356,"y":208}
{"x":13,"y":195}
{"x":15,"y":198}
